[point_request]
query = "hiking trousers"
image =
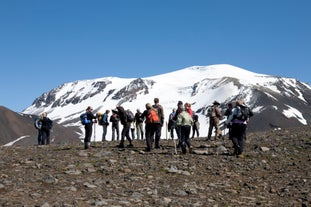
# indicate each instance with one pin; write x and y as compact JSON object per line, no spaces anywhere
{"x":150,"y":129}
{"x":238,"y":134}
{"x":214,"y":123}
{"x":185,"y":135}
{"x":88,"y":132}
{"x":126,"y":133}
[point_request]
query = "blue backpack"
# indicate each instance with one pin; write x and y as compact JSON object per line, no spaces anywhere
{"x":84,"y":120}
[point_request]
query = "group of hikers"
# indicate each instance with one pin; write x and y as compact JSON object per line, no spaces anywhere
{"x":180,"y":121}
{"x":44,"y":125}
{"x":148,"y":125}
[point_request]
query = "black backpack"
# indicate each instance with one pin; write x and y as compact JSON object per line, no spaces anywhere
{"x":129,"y":116}
{"x":245,"y":114}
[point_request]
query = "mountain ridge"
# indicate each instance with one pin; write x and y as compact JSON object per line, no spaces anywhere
{"x":201,"y":85}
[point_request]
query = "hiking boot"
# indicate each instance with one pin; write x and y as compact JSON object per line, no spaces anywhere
{"x":190,"y":149}
{"x":130,"y":145}
{"x":87,"y":145}
{"x":120,"y":146}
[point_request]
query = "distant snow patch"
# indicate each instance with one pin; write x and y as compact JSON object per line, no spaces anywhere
{"x":292,"y":112}
{"x":11,"y":143}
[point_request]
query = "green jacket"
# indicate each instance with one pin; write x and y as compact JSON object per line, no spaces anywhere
{"x":184,"y":119}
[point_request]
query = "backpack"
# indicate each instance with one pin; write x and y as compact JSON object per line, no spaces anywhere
{"x":211,"y":112}
{"x":195,"y":118}
{"x":153,"y":116}
{"x":50,"y":124}
{"x":99,"y":118}
{"x":244,"y":113}
{"x":84,"y":120}
{"x":37,"y":124}
{"x":129,"y":116}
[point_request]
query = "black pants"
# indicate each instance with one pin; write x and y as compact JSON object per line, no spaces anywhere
{"x":88,"y":132}
{"x":150,"y":130}
{"x":158,"y":135}
{"x":45,"y":136}
{"x":39,"y":137}
{"x":126,"y":133}
{"x":195,"y":129}
{"x":185,"y":135}
{"x":238,"y":137}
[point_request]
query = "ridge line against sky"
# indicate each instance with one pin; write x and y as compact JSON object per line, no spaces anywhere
{"x":47,"y":43}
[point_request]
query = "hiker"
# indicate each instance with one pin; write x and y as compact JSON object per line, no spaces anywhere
{"x":171,"y":123}
{"x":196,"y":125}
{"x":178,"y":130}
{"x":160,"y":111}
{"x":152,"y":121}
{"x":46,"y":127}
{"x":114,"y":119}
{"x":239,"y":119}
{"x":214,"y":115}
{"x":185,"y":121}
{"x":188,"y":109}
{"x":139,"y":120}
{"x":105,"y":123}
{"x":126,"y":122}
{"x":38,"y":125}
{"x":88,"y":126}
{"x":133,"y":126}
{"x":227,"y":114}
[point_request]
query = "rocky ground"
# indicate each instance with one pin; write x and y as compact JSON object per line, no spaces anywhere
{"x":276,"y":171}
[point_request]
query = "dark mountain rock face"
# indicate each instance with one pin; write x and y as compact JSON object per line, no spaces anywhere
{"x":275,"y":171}
{"x":130,"y":92}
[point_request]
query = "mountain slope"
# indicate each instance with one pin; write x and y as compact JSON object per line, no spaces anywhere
{"x":19,"y":129}
{"x":272,"y":173}
{"x":276,"y":101}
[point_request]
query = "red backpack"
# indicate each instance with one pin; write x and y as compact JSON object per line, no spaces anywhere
{"x":153,"y":116}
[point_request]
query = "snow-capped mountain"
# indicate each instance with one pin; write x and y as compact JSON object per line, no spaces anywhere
{"x":276,"y":101}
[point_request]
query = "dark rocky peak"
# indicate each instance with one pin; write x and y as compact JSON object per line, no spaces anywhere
{"x":130,"y":92}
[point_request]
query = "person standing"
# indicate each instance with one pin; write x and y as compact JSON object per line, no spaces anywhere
{"x":152,"y":121}
{"x":185,"y":121}
{"x":214,"y":114}
{"x":178,"y":128}
{"x":239,"y":119}
{"x":139,"y":120}
{"x":160,"y":111}
{"x":88,"y":126}
{"x":196,"y":125}
{"x":114,"y":119}
{"x":105,"y":124}
{"x":172,"y":123}
{"x":46,"y":127}
{"x":126,"y":122}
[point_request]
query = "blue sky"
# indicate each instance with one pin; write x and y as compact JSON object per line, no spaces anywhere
{"x":45,"y":43}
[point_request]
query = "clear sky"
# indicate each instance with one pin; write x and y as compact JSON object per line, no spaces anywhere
{"x":45,"y":43}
